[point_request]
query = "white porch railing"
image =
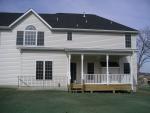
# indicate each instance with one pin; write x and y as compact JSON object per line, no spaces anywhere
{"x":102,"y":78}
{"x":57,"y":81}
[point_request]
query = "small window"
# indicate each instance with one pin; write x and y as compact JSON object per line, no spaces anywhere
{"x":30,"y":27}
{"x":128,"y":40}
{"x":126,"y":68}
{"x":69,"y":36}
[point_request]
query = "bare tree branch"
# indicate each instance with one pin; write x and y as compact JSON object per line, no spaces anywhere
{"x":143,"y":46}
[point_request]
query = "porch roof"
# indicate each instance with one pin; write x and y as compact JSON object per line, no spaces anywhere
{"x":78,"y":50}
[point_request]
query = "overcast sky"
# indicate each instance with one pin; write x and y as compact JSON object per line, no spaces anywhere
{"x":133,"y":13}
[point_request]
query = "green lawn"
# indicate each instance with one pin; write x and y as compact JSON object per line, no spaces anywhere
{"x":16,"y":101}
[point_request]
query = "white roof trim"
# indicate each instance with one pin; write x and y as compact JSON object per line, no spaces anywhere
{"x":63,"y":29}
{"x":4,"y":27}
{"x":76,"y":49}
{"x":93,"y":30}
{"x":26,"y":13}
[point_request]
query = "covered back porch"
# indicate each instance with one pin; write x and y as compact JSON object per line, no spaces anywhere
{"x":100,"y":72}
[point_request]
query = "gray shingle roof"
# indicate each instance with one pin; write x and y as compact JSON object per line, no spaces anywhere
{"x":70,"y":20}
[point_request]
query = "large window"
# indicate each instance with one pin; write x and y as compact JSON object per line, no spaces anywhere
{"x":128,"y":40}
{"x":44,"y":70}
{"x":30,"y":37}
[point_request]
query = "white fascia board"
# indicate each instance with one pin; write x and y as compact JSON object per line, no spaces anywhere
{"x":5,"y":27}
{"x":93,"y":30}
{"x":76,"y":49}
{"x":99,"y":50}
{"x":26,"y":13}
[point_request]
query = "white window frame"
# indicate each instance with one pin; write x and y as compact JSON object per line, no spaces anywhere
{"x":130,"y":42}
{"x":36,"y":35}
{"x":44,"y":70}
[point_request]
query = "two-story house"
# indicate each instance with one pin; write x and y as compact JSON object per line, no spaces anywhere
{"x":63,"y":50}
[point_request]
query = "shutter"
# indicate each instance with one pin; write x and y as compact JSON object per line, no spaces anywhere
{"x":40,"y":39}
{"x":126,"y":68}
{"x":19,"y":40}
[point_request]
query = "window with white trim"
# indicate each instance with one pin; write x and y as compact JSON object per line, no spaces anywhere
{"x":128,"y":40}
{"x":44,"y":70}
{"x":30,"y":37}
{"x":69,"y":36}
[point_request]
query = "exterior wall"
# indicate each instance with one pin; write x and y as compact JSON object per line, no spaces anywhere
{"x":59,"y":65}
{"x":79,"y":40}
{"x":88,"y":40}
{"x":9,"y":59}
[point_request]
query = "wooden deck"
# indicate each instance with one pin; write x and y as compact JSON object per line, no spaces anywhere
{"x":99,"y":87}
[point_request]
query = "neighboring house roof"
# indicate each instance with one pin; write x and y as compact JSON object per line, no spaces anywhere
{"x":69,"y":20}
{"x":144,"y":75}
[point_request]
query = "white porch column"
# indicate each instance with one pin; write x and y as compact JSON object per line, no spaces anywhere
{"x":82,"y":58}
{"x":107,"y":68}
{"x":69,"y":71}
{"x":131,"y":71}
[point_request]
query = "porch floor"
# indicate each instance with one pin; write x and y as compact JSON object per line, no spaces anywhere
{"x":99,"y":87}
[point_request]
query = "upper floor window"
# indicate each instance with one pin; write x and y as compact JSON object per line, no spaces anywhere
{"x":30,"y":27}
{"x":30,"y":37}
{"x":128,"y":40}
{"x":69,"y":36}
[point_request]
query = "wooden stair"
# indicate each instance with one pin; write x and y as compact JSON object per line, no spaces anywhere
{"x":76,"y":87}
